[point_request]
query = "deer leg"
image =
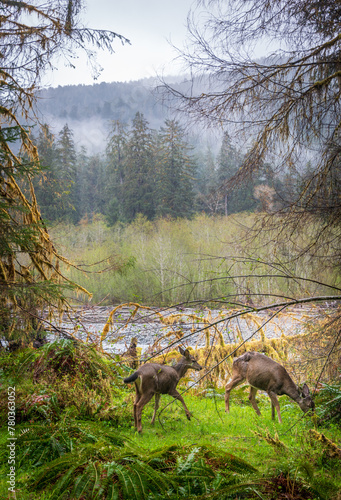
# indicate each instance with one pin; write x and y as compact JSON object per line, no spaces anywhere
{"x":157,"y":400}
{"x":236,"y":380}
{"x":175,"y":394}
{"x":137,"y":399}
{"x":275,"y":404}
{"x":144,"y":399}
{"x":252,"y":398}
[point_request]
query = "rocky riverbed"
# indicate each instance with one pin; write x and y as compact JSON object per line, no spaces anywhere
{"x":163,"y":326}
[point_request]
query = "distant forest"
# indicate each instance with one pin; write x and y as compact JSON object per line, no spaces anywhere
{"x":108,"y":101}
{"x":147,"y":164}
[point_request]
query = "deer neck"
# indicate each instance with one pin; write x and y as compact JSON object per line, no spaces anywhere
{"x":181,"y":369}
{"x":293,"y":393}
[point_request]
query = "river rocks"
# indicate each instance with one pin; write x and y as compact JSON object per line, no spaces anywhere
{"x":194,"y":327}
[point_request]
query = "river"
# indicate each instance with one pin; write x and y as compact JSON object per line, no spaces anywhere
{"x":149,"y":326}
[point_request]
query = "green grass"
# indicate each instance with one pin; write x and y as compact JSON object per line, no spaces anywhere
{"x":66,"y":449}
{"x":211,"y":425}
{"x":231,"y":435}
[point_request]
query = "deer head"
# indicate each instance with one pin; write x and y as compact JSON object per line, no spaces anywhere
{"x":306,"y":403}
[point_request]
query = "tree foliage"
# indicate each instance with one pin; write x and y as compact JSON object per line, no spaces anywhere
{"x":149,"y":172}
{"x":31,"y":34}
{"x":139,"y":169}
{"x":175,"y":172}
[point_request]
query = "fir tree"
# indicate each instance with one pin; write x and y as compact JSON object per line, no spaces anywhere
{"x":176,"y":169}
{"x":208,"y":198}
{"x":116,"y":153}
{"x":139,"y":178}
{"x":66,"y":172}
{"x":46,"y":184}
{"x":229,"y":161}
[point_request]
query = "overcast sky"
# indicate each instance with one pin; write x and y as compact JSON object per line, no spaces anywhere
{"x":148,"y":24}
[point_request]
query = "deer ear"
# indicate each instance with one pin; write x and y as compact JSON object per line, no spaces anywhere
{"x":187,"y":353}
{"x":181,"y":351}
{"x":305,"y":390}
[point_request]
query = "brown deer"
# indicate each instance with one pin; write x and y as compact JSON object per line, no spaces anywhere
{"x":131,"y":354}
{"x":155,"y":379}
{"x":265,"y":374}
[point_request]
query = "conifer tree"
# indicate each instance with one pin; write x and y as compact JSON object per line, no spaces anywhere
{"x":116,"y":152}
{"x":238,"y":198}
{"x":95,"y":185}
{"x":56,"y":187}
{"x":208,"y":198}
{"x":176,"y":169}
{"x":139,"y":178}
{"x":46,"y":184}
{"x":66,"y":173}
{"x":81,"y":184}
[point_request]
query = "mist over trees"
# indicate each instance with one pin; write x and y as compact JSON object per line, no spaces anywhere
{"x":154,"y":173}
{"x":286,"y":164}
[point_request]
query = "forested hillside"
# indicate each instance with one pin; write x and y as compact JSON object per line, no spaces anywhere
{"x":88,"y":109}
{"x":110,"y":149}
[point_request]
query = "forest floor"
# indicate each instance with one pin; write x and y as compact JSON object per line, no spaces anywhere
{"x":67,"y":433}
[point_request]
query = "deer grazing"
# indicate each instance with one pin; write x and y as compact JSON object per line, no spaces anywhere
{"x":265,"y":374}
{"x":155,"y":379}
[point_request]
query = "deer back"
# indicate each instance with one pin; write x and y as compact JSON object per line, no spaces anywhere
{"x":265,"y":374}
{"x":157,"y":378}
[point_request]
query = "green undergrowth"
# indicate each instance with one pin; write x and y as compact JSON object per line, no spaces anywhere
{"x":168,"y":261}
{"x":75,"y":437}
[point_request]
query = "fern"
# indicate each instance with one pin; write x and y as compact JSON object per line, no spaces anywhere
{"x":87,"y":483}
{"x":330,"y":403}
{"x":155,"y":479}
{"x":64,"y":482}
{"x":186,"y":464}
{"x":129,"y":481}
{"x":105,"y":464}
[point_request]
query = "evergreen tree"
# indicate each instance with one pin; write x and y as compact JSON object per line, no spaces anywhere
{"x":55,"y":188}
{"x":176,"y":169}
{"x":229,"y":161}
{"x":138,"y":183}
{"x":95,"y":185}
{"x":208,"y":198}
{"x":89,"y":187}
{"x":66,"y":172}
{"x":46,"y":184}
{"x":116,"y":152}
{"x":80,"y":189}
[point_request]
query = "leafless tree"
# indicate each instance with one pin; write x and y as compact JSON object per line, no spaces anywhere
{"x":286,"y":104}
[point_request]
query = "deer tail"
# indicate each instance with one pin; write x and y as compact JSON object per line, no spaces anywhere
{"x":130,"y":379}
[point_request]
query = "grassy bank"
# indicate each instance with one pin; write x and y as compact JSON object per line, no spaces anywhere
{"x":173,"y":261}
{"x":75,"y":439}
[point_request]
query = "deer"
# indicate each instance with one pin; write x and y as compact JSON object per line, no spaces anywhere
{"x":265,"y":374}
{"x":131,"y":354}
{"x":156,"y":379}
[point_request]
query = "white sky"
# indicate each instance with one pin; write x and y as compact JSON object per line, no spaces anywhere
{"x":148,"y":24}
